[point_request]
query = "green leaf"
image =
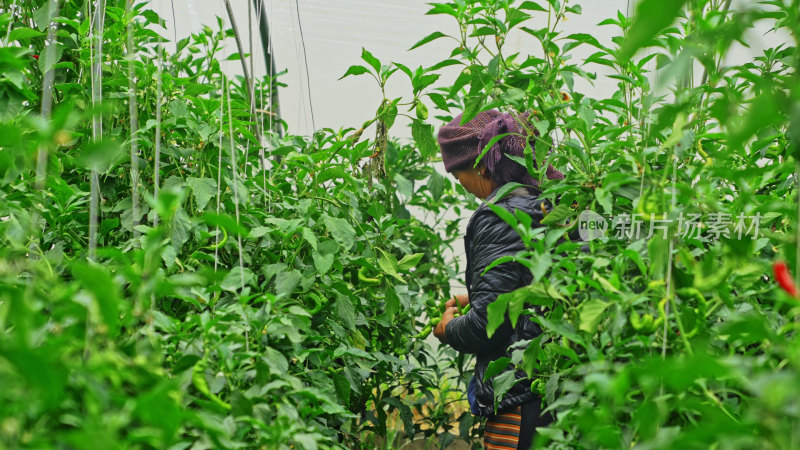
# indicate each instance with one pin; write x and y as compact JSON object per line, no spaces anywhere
{"x":651,"y":17}
{"x":286,"y":227}
{"x":515,"y":17}
{"x":203,"y":189}
{"x":404,"y":185}
{"x":550,"y":388}
{"x":422,"y":81}
{"x":355,"y":70}
{"x":496,"y":313}
{"x":392,"y":303}
{"x":504,"y":214}
{"x":590,"y":314}
{"x":275,"y":360}
{"x":404,"y":69}
{"x":423,"y":136}
{"x":42,"y":16}
{"x":332,"y":173}
{"x":258,"y":232}
{"x":322,"y":262}
{"x":285,"y":282}
{"x":605,"y":283}
{"x":224,"y":221}
{"x":502,"y":383}
{"x":763,"y":112}
{"x":442,"y":8}
{"x":389,"y":265}
{"x":310,"y":237}
{"x":342,"y":388}
{"x":558,"y":214}
{"x":178,"y":108}
{"x":436,"y":185}
{"x":540,"y":263}
{"x":472,"y":106}
{"x":180,"y":228}
{"x":341,"y":231}
{"x":495,"y":367}
{"x":346,"y":311}
{"x":324,"y":256}
{"x":409,"y":261}
{"x":371,"y":60}
{"x":431,"y":37}
{"x":22,"y":34}
{"x":489,"y":145}
{"x":234,"y":279}
{"x":532,"y":6}
{"x":100,"y":156}
{"x":39,"y":369}
{"x":50,"y":57}
{"x":503,"y":191}
{"x":105,"y":293}
{"x":562,"y":329}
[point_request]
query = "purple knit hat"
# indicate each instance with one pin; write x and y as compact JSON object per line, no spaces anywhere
{"x":462,"y":144}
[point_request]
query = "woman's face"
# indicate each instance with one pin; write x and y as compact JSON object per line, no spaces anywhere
{"x":476,"y":181}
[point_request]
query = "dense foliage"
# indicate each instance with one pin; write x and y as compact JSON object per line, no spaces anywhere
{"x":178,"y":270}
{"x":231,"y":300}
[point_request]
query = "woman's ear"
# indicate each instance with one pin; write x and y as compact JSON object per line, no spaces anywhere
{"x":483,"y":171}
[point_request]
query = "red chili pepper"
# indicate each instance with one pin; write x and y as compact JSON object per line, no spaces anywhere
{"x":784,"y":279}
{"x":36,"y":57}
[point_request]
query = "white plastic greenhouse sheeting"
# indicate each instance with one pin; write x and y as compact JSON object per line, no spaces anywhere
{"x":334,"y":32}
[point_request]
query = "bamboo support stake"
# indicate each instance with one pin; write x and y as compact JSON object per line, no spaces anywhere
{"x":159,"y":95}
{"x":10,"y":23}
{"x":47,"y":92}
{"x":97,"y":119}
{"x":235,"y":188}
{"x":134,"y":123}
{"x":251,"y":95}
{"x":46,"y":111}
{"x":219,"y":169}
{"x":236,"y":208}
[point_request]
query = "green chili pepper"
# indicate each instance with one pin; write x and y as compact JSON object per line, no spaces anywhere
{"x":219,"y":244}
{"x":199,"y":381}
{"x":424,"y":333}
{"x":422,"y":111}
{"x":319,"y":302}
{"x":428,"y":328}
{"x":363,"y":277}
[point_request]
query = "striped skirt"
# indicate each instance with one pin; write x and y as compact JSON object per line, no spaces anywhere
{"x":515,"y":428}
{"x":502,"y":430}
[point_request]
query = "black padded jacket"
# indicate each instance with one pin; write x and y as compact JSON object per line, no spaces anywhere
{"x":487,"y":238}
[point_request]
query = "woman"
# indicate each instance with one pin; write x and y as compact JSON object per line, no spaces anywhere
{"x":488,"y":237}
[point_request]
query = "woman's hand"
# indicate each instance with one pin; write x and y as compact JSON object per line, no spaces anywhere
{"x":449,"y":314}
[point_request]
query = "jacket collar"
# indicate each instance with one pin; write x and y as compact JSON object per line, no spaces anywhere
{"x":518,"y":192}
